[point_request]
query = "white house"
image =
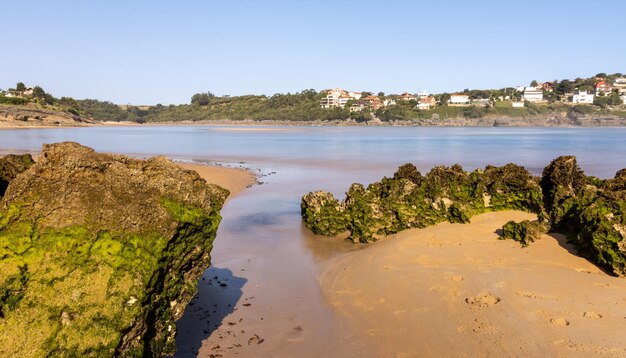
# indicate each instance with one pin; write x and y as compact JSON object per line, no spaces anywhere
{"x":459,"y":99}
{"x":355,"y":95}
{"x":620,"y":85}
{"x":389,"y":102}
{"x":533,"y":94}
{"x":582,"y":97}
{"x":426,"y":103}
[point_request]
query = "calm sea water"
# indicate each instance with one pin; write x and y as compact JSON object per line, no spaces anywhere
{"x":262,"y":249}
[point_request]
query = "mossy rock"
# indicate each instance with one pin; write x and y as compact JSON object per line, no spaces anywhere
{"x":410,"y":200}
{"x":523,"y":232}
{"x":100,"y":253}
{"x":11,"y":166}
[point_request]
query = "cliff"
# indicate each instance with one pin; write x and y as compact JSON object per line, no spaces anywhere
{"x":590,"y":211}
{"x":100,"y":253}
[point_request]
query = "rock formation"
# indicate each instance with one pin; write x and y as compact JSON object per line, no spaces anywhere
{"x":590,"y":211}
{"x":100,"y":253}
{"x":409,"y":200}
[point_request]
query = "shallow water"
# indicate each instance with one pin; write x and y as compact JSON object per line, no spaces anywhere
{"x":263,"y":253}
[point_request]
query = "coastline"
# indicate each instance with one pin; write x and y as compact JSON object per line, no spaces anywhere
{"x":463,"y":290}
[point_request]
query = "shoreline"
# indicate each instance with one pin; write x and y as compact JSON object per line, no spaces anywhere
{"x":463,"y":290}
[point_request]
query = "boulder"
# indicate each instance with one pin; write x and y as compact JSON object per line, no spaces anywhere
{"x":100,"y":253}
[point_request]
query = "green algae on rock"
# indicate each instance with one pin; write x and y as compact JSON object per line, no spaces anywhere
{"x":411,"y":200}
{"x":523,"y":232}
{"x":590,"y":211}
{"x":100,"y":253}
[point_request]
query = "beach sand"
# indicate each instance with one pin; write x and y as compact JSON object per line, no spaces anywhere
{"x":233,"y":179}
{"x":455,"y":290}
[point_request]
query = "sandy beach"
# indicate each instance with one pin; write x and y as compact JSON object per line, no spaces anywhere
{"x":456,"y":290}
{"x":233,"y":179}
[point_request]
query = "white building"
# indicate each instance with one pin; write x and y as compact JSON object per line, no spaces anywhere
{"x":422,"y":94}
{"x":533,"y":94}
{"x":582,"y":97}
{"x":389,"y":102}
{"x":459,"y":99}
{"x":338,"y":98}
{"x":620,"y":85}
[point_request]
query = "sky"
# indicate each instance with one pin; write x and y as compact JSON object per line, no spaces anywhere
{"x":149,"y":52}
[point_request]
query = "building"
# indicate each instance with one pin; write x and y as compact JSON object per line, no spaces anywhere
{"x":620,"y":85}
{"x":426,"y":103}
{"x":389,"y":102}
{"x":338,"y":98}
{"x":407,"y":97}
{"x":603,"y":87}
{"x":481,"y":102}
{"x":582,"y":97}
{"x":357,"y":107}
{"x":547,"y":86}
{"x":422,"y":94}
{"x":459,"y":98}
{"x":533,"y":94}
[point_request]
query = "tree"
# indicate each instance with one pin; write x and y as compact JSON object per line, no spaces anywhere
{"x":601,"y":75}
{"x":444,"y":98}
{"x":20,"y":87}
{"x":534,"y":83}
{"x":39,"y":93}
{"x":564,"y":87}
{"x":202,"y":99}
{"x":69,"y":102}
{"x":381,"y":94}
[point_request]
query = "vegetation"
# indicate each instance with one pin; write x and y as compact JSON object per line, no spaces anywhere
{"x":305,"y":105}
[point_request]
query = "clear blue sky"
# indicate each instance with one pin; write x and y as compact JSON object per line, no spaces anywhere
{"x":148,"y":52}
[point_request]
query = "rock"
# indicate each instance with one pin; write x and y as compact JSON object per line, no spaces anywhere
{"x":409,"y":200}
{"x":561,"y":179}
{"x":10,"y":166}
{"x":100,"y":253}
{"x":523,"y":232}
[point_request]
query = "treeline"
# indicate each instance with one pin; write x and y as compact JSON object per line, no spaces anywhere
{"x":300,"y":106}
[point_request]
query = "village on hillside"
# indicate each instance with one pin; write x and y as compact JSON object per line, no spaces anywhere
{"x":600,"y":90}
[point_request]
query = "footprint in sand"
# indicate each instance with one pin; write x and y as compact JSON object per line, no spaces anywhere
{"x":559,"y":321}
{"x":482,"y":300}
{"x":455,"y":278}
{"x":593,"y":315}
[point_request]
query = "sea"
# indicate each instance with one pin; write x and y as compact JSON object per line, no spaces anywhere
{"x":268,"y":259}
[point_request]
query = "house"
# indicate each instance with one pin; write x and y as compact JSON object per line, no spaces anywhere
{"x":376,"y":104}
{"x":407,"y":97}
{"x":338,"y":98}
{"x":547,"y":86}
{"x":459,"y":98}
{"x":355,"y":95}
{"x":357,"y":107}
{"x":517,"y":104}
{"x":603,"y":87}
{"x":620,"y":85}
{"x":389,"y":102}
{"x":422,"y":94}
{"x":533,"y":94}
{"x":481,"y":102}
{"x":582,"y":97}
{"x":426,"y":103}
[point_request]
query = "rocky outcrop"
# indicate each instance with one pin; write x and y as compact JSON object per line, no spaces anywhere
{"x":24,"y":116}
{"x":590,"y":211}
{"x":100,"y":253}
{"x":10,"y":166}
{"x":409,"y":200}
{"x":523,"y":232}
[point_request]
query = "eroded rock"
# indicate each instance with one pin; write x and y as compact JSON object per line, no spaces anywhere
{"x":10,"y":166}
{"x":94,"y":248}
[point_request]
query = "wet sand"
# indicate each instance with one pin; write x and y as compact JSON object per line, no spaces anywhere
{"x":234,"y":179}
{"x":455,"y":290}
